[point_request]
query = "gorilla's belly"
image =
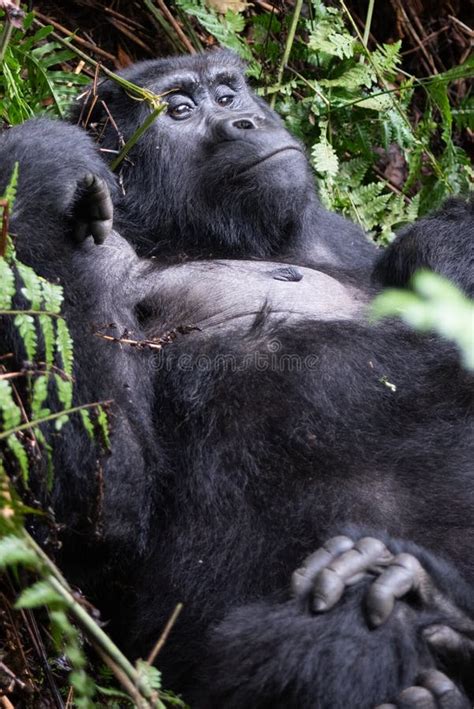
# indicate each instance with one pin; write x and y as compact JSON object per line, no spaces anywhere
{"x":215,"y":294}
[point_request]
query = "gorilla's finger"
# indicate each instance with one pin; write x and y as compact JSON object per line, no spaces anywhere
{"x":304,"y":577}
{"x":346,"y":569}
{"x":448,"y":696}
{"x":446,"y":640}
{"x":416,"y":698}
{"x":93,"y":212}
{"x":97,"y":197}
{"x":404,"y":574}
{"x":100,"y":230}
{"x":80,"y":231}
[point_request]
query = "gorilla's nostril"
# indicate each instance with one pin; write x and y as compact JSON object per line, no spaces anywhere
{"x":243,"y":124}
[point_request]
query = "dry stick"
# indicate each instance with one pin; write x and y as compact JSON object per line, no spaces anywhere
{"x":185,"y":41}
{"x":122,"y":678}
{"x":145,"y":344}
{"x":421,"y":29}
{"x":89,"y":45}
{"x":164,"y":635}
{"x":465,"y":28}
{"x":289,"y":43}
{"x":412,"y":31}
{"x":129,"y":34}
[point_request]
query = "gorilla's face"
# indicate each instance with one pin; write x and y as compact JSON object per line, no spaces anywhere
{"x":220,"y":172}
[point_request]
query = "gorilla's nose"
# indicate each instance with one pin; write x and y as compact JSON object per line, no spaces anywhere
{"x":231,"y":128}
{"x":244,"y":124}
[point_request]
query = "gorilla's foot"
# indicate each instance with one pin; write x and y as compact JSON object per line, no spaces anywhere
{"x":93,"y":210}
{"x":433,"y":691}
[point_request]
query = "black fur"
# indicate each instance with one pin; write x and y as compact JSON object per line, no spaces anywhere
{"x":274,"y":417}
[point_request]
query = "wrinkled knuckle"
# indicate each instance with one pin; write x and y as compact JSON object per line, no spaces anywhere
{"x":370,"y":545}
{"x":337,"y":545}
{"x":417,"y":695}
{"x":408,"y":562}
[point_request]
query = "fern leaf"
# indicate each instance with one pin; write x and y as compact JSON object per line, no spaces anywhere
{"x":47,"y":330}
{"x":40,"y":394}
{"x":39,"y":594}
{"x":7,"y":290}
{"x":32,"y":289}
{"x":64,"y":345}
{"x":10,"y":192}
{"x":21,"y":456}
{"x":14,"y":550}
{"x":25,"y":324}
{"x":11,"y":413}
{"x":324,"y":157}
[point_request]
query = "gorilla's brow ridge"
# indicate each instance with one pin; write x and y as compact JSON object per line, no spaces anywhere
{"x":189,"y":82}
{"x":179,"y":82}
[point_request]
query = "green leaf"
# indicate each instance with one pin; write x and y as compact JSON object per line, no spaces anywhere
{"x":103,"y":424}
{"x":64,"y":345}
{"x":324,"y":156}
{"x":149,"y":675}
{"x":25,"y":324}
{"x":40,"y":593}
{"x":14,"y":550}
{"x":64,"y":390}
{"x":7,"y":287}
{"x":21,"y":456}
{"x":10,"y":192}
{"x":436,"y":305}
{"x":40,"y":393}
{"x":11,"y":413}
{"x":87,"y":423}
{"x":379,"y":102}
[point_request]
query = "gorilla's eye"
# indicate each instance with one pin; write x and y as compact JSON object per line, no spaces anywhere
{"x":226,"y":100}
{"x":180,"y":111}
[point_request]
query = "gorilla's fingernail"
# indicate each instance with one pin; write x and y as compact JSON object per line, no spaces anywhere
{"x":319,"y":605}
{"x":375,"y":619}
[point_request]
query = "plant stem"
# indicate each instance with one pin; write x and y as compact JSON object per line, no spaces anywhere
{"x":51,"y":417}
{"x":289,"y":44}
{"x":6,"y":34}
{"x":137,"y":135}
{"x":368,"y":22}
{"x":100,"y":638}
{"x":52,"y":568}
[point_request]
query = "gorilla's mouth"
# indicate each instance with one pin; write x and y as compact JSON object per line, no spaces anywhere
{"x":266,"y":157}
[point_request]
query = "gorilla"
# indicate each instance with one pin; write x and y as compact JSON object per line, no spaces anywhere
{"x":298,"y":477}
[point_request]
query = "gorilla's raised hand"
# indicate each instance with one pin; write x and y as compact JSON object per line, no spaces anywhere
{"x":93,"y":211}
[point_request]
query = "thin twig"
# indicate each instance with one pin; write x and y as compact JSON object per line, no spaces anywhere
{"x":88,"y":45}
{"x":289,"y":44}
{"x":166,"y":12}
{"x":164,"y":635}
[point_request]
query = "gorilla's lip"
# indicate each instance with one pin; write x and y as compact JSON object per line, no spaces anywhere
{"x":284,"y":149}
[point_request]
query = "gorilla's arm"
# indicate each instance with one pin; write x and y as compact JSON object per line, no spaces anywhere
{"x":442,"y":242}
{"x":63,"y":196}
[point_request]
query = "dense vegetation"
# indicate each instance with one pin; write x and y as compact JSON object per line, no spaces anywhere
{"x":387,"y":146}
